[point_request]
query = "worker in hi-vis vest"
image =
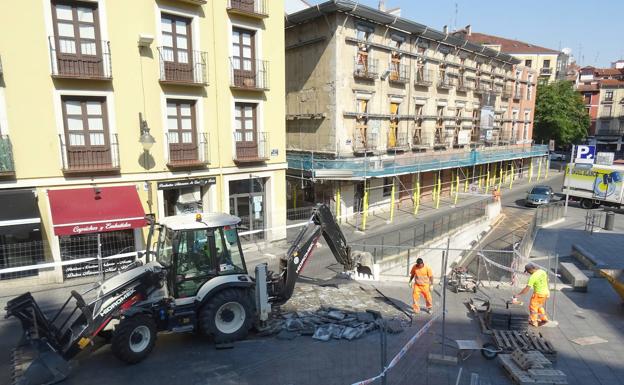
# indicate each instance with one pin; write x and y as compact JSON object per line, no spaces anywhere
{"x":423,"y":285}
{"x":538,"y":281}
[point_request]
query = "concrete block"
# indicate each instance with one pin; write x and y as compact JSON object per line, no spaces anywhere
{"x":586,"y":257}
{"x":574,"y":276}
{"x":442,"y":360}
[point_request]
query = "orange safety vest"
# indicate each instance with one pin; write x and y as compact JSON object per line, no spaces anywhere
{"x":421,"y":275}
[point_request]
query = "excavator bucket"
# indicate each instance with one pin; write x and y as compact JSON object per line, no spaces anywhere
{"x":36,"y":360}
{"x":36,"y":363}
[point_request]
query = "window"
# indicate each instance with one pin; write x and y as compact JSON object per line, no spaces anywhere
{"x":587,"y":98}
{"x":363,"y":32}
{"x":529,"y":93}
{"x":606,"y":110}
{"x":393,"y":132}
{"x":76,"y":29}
{"x":608,"y":96}
{"x":514,"y":124}
{"x":546,"y":63}
{"x":527,"y":119}
{"x":245,"y":130}
{"x":181,"y":131}
{"x":528,"y":63}
{"x":387,"y":186}
{"x":86,"y":131}
{"x":419,"y":115}
{"x":176,"y":47}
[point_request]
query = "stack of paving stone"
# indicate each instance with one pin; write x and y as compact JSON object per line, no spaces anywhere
{"x":531,"y":368}
{"x":503,"y":318}
{"x":333,"y":312}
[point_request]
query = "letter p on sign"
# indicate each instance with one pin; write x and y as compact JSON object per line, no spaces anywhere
{"x":585,"y":154}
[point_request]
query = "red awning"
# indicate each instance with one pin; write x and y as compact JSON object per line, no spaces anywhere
{"x":95,"y":210}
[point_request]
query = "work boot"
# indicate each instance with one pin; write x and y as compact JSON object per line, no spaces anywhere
{"x":429,"y":310}
{"x":533,"y":323}
{"x":542,"y":322}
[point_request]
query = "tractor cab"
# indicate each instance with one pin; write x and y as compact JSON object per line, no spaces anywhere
{"x":196,"y":248}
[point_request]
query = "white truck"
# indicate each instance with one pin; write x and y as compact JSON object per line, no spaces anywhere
{"x":594,"y":185}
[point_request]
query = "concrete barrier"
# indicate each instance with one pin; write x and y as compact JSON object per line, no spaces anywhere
{"x":587,"y":258}
{"x":574,"y":276}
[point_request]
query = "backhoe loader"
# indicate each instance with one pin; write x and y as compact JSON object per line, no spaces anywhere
{"x":194,"y":279}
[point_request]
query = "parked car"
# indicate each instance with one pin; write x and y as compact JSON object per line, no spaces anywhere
{"x":539,"y":195}
{"x":556,"y":156}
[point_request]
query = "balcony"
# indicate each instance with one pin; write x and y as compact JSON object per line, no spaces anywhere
{"x":253,"y":77}
{"x":191,"y":70}
{"x":606,"y":114}
{"x":545,"y":71}
{"x":397,"y":139}
{"x":90,"y":159}
{"x":253,"y":147}
{"x":482,"y":88}
{"x":250,"y":8}
{"x":399,"y":73}
{"x":445,"y":82}
{"x":365,"y":68}
{"x":517,"y":95}
{"x":90,"y":61}
{"x":364,"y":141}
{"x":188,"y":155}
{"x":424,"y":78}
{"x":506,"y":94}
{"x":463,"y":85}
{"x":609,"y":132}
{"x":7,"y":166}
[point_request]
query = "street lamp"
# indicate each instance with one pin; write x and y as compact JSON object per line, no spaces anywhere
{"x":146,"y":139}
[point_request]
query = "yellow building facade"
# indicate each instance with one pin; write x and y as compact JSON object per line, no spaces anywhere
{"x":200,"y":83}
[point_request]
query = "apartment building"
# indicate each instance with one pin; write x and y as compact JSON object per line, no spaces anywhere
{"x":549,"y":64}
{"x":111,"y":110}
{"x":381,"y":109}
{"x":600,"y":88}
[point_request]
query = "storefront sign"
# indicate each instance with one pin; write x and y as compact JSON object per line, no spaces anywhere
{"x":186,"y":183}
{"x":92,"y":268}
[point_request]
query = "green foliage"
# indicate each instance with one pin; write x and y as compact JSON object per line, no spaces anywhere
{"x":559,"y":114}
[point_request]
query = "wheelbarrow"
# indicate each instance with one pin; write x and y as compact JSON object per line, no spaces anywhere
{"x":616,"y":279}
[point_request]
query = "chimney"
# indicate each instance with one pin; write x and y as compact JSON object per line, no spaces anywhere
{"x":445,"y":29}
{"x":382,"y":6}
{"x":468,"y":30}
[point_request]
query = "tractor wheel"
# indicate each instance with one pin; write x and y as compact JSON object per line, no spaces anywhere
{"x":227,"y":316}
{"x":134,"y":338}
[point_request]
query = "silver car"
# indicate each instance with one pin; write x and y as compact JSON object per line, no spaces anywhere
{"x":539,"y":195}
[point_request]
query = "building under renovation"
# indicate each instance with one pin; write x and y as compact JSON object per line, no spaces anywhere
{"x":381,"y":109}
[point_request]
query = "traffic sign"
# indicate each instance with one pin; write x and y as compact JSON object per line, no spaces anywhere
{"x":585,"y":154}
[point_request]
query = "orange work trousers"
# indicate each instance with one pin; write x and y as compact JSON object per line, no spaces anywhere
{"x":425,"y":292}
{"x":536,"y":308}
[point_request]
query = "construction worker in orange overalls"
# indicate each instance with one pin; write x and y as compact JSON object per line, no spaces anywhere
{"x":423,"y":285}
{"x":538,"y":281}
{"x":496,"y":194}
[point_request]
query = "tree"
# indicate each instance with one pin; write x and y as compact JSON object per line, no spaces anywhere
{"x":559,"y":114}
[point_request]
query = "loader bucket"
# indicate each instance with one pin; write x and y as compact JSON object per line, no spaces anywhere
{"x":616,"y":279}
{"x":36,"y":363}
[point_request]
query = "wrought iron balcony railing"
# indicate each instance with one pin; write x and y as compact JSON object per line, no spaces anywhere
{"x":545,"y":71}
{"x":445,"y":81}
{"x":249,"y":75}
{"x":188,"y":155}
{"x":7,"y":165}
{"x":252,"y":8}
{"x":423,"y":77}
{"x":87,"y":60}
{"x":397,"y":138}
{"x":365,"y":68}
{"x":251,"y":147}
{"x":188,"y":68}
{"x":364,"y":140}
{"x":90,"y":159}
{"x":398,"y":73}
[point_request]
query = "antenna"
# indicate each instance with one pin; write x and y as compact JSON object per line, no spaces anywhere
{"x":456,"y":12}
{"x":596,"y":58}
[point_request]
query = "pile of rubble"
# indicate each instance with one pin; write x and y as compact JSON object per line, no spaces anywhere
{"x":334,"y":312}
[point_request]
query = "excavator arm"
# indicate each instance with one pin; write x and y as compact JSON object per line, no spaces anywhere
{"x":321,"y":222}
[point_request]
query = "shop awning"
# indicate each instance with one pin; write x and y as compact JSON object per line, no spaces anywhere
{"x":95,"y":210}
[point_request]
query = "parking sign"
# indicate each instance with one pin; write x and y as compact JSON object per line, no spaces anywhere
{"x":585,"y":154}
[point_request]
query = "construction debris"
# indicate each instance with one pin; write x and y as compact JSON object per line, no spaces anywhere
{"x":334,"y":312}
{"x":531,"y":368}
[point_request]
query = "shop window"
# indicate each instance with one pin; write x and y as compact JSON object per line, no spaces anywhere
{"x":185,"y":200}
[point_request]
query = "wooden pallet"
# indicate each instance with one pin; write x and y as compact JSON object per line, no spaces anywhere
{"x":532,"y":376}
{"x":510,"y":340}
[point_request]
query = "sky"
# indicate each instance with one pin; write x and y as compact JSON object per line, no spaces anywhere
{"x":592,"y":28}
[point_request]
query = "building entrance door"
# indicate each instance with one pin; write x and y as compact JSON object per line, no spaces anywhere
{"x":247,"y":202}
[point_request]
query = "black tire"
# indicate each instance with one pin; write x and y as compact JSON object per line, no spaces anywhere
{"x":134,"y":338}
{"x":489,"y":351}
{"x":587,"y":203}
{"x":227,"y":316}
